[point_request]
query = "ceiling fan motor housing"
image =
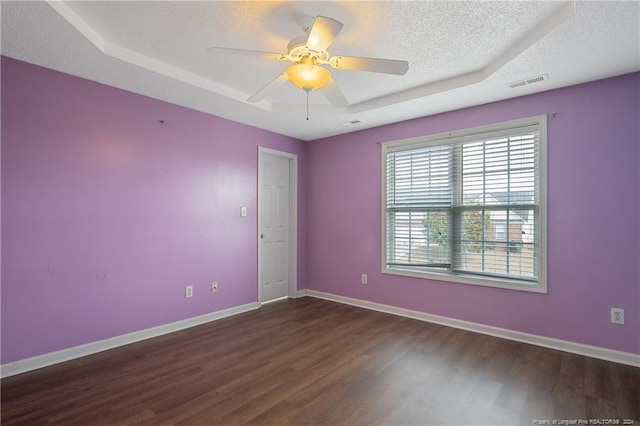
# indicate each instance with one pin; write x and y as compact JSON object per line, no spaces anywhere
{"x":297,"y":49}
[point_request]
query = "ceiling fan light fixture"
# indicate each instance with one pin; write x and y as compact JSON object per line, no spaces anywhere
{"x":308,"y":76}
{"x":309,"y":55}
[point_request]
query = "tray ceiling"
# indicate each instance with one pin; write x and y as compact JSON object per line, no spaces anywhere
{"x":460,"y":53}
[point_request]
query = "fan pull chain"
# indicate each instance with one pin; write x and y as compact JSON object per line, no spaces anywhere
{"x":307,"y":90}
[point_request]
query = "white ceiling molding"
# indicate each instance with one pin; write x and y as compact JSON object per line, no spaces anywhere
{"x":460,"y":53}
{"x":146,"y":62}
{"x":560,"y":15}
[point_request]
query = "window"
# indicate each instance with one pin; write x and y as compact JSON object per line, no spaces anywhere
{"x":468,"y":206}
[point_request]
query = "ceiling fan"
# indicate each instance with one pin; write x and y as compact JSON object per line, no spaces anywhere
{"x":308,"y":54}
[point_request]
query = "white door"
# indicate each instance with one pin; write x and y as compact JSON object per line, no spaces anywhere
{"x":273,"y":226}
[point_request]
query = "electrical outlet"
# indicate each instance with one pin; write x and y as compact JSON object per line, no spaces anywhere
{"x":364,"y":278}
{"x":188,"y":291}
{"x":617,"y":315}
{"x":214,"y":286}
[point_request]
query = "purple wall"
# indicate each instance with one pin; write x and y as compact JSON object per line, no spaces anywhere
{"x":107,"y":215}
{"x":593,"y":220}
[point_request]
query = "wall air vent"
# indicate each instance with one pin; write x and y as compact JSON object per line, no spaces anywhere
{"x":537,"y":79}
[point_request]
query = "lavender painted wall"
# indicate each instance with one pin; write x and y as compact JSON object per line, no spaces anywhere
{"x":593,"y":220}
{"x":107,"y":214}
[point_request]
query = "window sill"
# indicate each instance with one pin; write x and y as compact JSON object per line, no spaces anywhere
{"x":505,"y":283}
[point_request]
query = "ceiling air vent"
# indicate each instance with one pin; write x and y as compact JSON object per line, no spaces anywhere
{"x":537,"y":79}
{"x":350,"y":123}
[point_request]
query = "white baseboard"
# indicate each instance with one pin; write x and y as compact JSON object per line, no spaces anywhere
{"x":40,"y":361}
{"x":533,"y":339}
{"x":45,"y":360}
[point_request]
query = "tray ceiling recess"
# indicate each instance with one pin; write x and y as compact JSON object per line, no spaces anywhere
{"x":437,"y":56}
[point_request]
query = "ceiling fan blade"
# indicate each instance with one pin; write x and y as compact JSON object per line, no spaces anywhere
{"x":386,"y":66}
{"x":334,"y":95}
{"x":268,"y":55}
{"x":269,"y":88}
{"x":322,"y":33}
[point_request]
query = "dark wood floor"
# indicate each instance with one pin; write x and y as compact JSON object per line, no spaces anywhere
{"x":309,"y":361}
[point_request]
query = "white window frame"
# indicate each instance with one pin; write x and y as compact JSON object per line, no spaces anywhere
{"x":539,"y":286}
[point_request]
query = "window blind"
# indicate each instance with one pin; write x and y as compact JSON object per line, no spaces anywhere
{"x":419,"y":188}
{"x":466,"y":204}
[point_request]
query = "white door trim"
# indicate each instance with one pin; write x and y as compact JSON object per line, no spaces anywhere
{"x":293,"y":220}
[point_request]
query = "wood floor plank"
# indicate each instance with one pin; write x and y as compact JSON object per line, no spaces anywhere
{"x":309,"y":361}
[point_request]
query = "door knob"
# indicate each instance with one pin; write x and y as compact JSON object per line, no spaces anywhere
{"x":261,"y":235}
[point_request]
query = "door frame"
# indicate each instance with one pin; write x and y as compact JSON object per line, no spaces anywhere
{"x":293,"y":219}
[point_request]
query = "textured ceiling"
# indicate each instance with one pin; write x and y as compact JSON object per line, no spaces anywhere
{"x":460,"y":53}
